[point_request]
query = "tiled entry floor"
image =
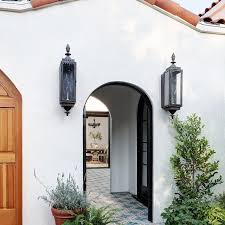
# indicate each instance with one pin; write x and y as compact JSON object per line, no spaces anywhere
{"x":130,"y":211}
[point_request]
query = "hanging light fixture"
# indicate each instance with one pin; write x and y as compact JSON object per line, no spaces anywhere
{"x":172,"y":88}
{"x":94,"y":124}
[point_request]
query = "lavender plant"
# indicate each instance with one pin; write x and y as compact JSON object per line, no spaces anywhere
{"x":66,"y":195}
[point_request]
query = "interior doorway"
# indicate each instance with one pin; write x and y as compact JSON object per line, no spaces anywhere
{"x":131,"y":145}
{"x":97,"y":139}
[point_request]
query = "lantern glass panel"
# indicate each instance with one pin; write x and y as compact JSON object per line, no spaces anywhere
{"x":68,"y":83}
{"x":175,"y":88}
{"x":166,"y":88}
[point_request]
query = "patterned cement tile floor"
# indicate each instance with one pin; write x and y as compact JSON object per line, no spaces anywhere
{"x":130,"y":211}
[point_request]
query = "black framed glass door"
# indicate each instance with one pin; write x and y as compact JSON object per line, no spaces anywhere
{"x":144,"y":153}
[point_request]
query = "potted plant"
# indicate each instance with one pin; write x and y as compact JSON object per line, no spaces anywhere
{"x":65,"y":199}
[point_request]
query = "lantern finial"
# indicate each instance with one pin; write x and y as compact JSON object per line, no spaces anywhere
{"x":173,"y":58}
{"x":67,"y":50}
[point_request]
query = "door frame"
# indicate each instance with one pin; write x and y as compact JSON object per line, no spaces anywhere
{"x":85,"y":115}
{"x":149,"y":152}
{"x":15,"y":100}
{"x":100,"y":114}
{"x":150,"y":155}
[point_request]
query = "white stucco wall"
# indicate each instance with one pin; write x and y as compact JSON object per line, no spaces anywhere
{"x":111,"y":40}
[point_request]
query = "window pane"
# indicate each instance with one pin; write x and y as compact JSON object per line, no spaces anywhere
{"x":68,"y":83}
{"x":145,"y":115}
{"x":145,"y":158}
{"x":145,"y":145}
{"x":144,"y":176}
{"x":145,"y":126}
{"x":175,"y":88}
{"x":178,"y":88}
{"x":166,"y":89}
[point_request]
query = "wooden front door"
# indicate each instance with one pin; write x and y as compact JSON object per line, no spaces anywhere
{"x":10,"y":154}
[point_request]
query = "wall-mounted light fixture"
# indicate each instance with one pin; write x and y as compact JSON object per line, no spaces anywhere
{"x":172,"y":88}
{"x":67,"y":82}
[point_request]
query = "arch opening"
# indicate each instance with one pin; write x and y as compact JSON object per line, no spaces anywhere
{"x":130,"y":143}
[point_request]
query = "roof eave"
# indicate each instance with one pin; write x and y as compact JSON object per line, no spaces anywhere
{"x":200,"y":27}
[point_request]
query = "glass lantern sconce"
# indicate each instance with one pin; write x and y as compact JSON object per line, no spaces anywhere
{"x":67,"y":82}
{"x":172,"y":88}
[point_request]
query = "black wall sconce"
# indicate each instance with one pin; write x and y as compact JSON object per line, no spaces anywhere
{"x":67,"y":82}
{"x":172,"y":88}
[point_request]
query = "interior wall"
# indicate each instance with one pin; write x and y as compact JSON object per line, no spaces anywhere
{"x":122,"y":103}
{"x":103,"y":129}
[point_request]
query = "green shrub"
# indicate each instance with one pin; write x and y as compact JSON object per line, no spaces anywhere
{"x":195,"y":172}
{"x":215,"y":215}
{"x":95,"y":216}
{"x":101,"y":216}
{"x":220,"y":199}
{"x":79,"y":220}
{"x":195,"y":176}
{"x":194,"y":212}
{"x":186,"y":212}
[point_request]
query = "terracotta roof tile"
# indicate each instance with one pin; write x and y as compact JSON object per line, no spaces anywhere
{"x":210,"y":20}
{"x":214,"y":17}
{"x":175,"y":9}
{"x":41,"y":3}
{"x":209,"y":8}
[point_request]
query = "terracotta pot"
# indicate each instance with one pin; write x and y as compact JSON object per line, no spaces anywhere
{"x":61,"y":215}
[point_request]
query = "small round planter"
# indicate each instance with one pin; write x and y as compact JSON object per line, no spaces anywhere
{"x":61,"y":215}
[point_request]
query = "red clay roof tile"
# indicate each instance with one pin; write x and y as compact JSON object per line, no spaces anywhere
{"x":210,"y":18}
{"x":175,"y":9}
{"x":209,"y":8}
{"x":40,"y":3}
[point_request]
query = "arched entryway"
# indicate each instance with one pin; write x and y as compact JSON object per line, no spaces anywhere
{"x":114,"y":95}
{"x":10,"y":153}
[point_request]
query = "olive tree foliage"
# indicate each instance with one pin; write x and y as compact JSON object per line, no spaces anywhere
{"x":196,"y":174}
{"x":194,"y":169}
